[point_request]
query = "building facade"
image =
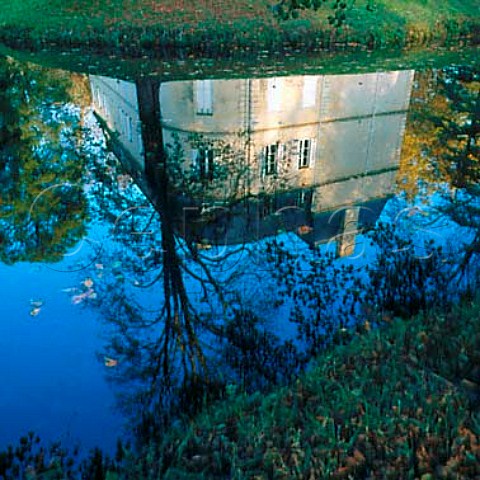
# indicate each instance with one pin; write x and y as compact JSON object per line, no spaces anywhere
{"x":321,"y":142}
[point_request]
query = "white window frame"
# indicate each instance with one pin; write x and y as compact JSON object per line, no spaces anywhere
{"x":274,"y":94}
{"x":204,"y":97}
{"x":270,"y":159}
{"x":305,"y":153}
{"x":303,"y":197}
{"x":309,"y":97}
{"x":97,"y":98}
{"x":203,"y":160}
{"x":104,"y":106}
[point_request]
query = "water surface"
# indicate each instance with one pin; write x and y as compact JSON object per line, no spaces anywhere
{"x":145,"y":225}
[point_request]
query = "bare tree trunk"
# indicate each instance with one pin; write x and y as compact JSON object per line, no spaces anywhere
{"x":179,"y":321}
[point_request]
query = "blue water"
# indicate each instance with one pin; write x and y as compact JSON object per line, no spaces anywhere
{"x":52,"y":379}
{"x":54,"y":335}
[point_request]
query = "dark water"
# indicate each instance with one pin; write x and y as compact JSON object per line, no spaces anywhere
{"x":156,"y":232}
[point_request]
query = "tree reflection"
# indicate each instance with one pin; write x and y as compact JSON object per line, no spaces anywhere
{"x":181,"y":320}
{"x":443,"y":117}
{"x":459,"y":162}
{"x":445,"y":150}
{"x":188,"y":300}
{"x":173,"y":355}
{"x":42,"y":211}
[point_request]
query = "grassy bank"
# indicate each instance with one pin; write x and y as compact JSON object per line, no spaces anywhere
{"x":217,"y":28}
{"x":332,"y":63}
{"x":396,"y":403}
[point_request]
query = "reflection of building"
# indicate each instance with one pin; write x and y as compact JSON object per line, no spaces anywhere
{"x":267,"y":216}
{"x":331,"y":141}
{"x":296,"y":131}
{"x":116,"y":102}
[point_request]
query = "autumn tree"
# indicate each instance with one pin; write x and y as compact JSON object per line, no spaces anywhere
{"x":458,"y":164}
{"x":42,"y":209}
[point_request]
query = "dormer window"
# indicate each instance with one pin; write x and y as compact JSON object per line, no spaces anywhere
{"x":204,"y":97}
{"x":309,"y":91}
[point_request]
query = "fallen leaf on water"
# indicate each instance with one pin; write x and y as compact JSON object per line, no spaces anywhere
{"x":90,"y":293}
{"x":110,"y":362}
{"x":88,"y":282}
{"x":76,"y":299}
{"x":304,"y":229}
{"x":35,"y":311}
{"x":70,"y":290}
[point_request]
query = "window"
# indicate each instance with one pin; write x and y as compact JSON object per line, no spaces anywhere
{"x":97,"y":98}
{"x":270,"y":154}
{"x":309,"y":91}
{"x":268,"y":206}
{"x":204,"y":94}
{"x":123,"y":122}
{"x":274,"y":94}
{"x":130,"y":129}
{"x":204,"y":161}
{"x":305,"y":152}
{"x":104,"y":106}
{"x":303,"y":198}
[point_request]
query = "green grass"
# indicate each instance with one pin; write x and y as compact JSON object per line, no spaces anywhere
{"x":40,"y":14}
{"x":118,"y":13}
{"x":135,"y":27}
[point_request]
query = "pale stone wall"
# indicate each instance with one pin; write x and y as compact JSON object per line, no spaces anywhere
{"x":116,"y":102}
{"x":355,"y":123}
{"x":353,"y":190}
{"x":346,"y":96}
{"x":179,"y":106}
{"x":358,"y":146}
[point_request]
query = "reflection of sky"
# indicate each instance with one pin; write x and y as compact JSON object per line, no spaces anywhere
{"x":51,"y":380}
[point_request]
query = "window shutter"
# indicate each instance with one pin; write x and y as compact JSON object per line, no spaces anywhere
{"x":297,"y":152}
{"x":295,"y":147}
{"x":204,"y":93}
{"x":208,"y":96}
{"x":279,"y":164}
{"x":313,"y":148}
{"x":309,"y":91}
{"x":194,"y":157}
{"x":263,"y":163}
